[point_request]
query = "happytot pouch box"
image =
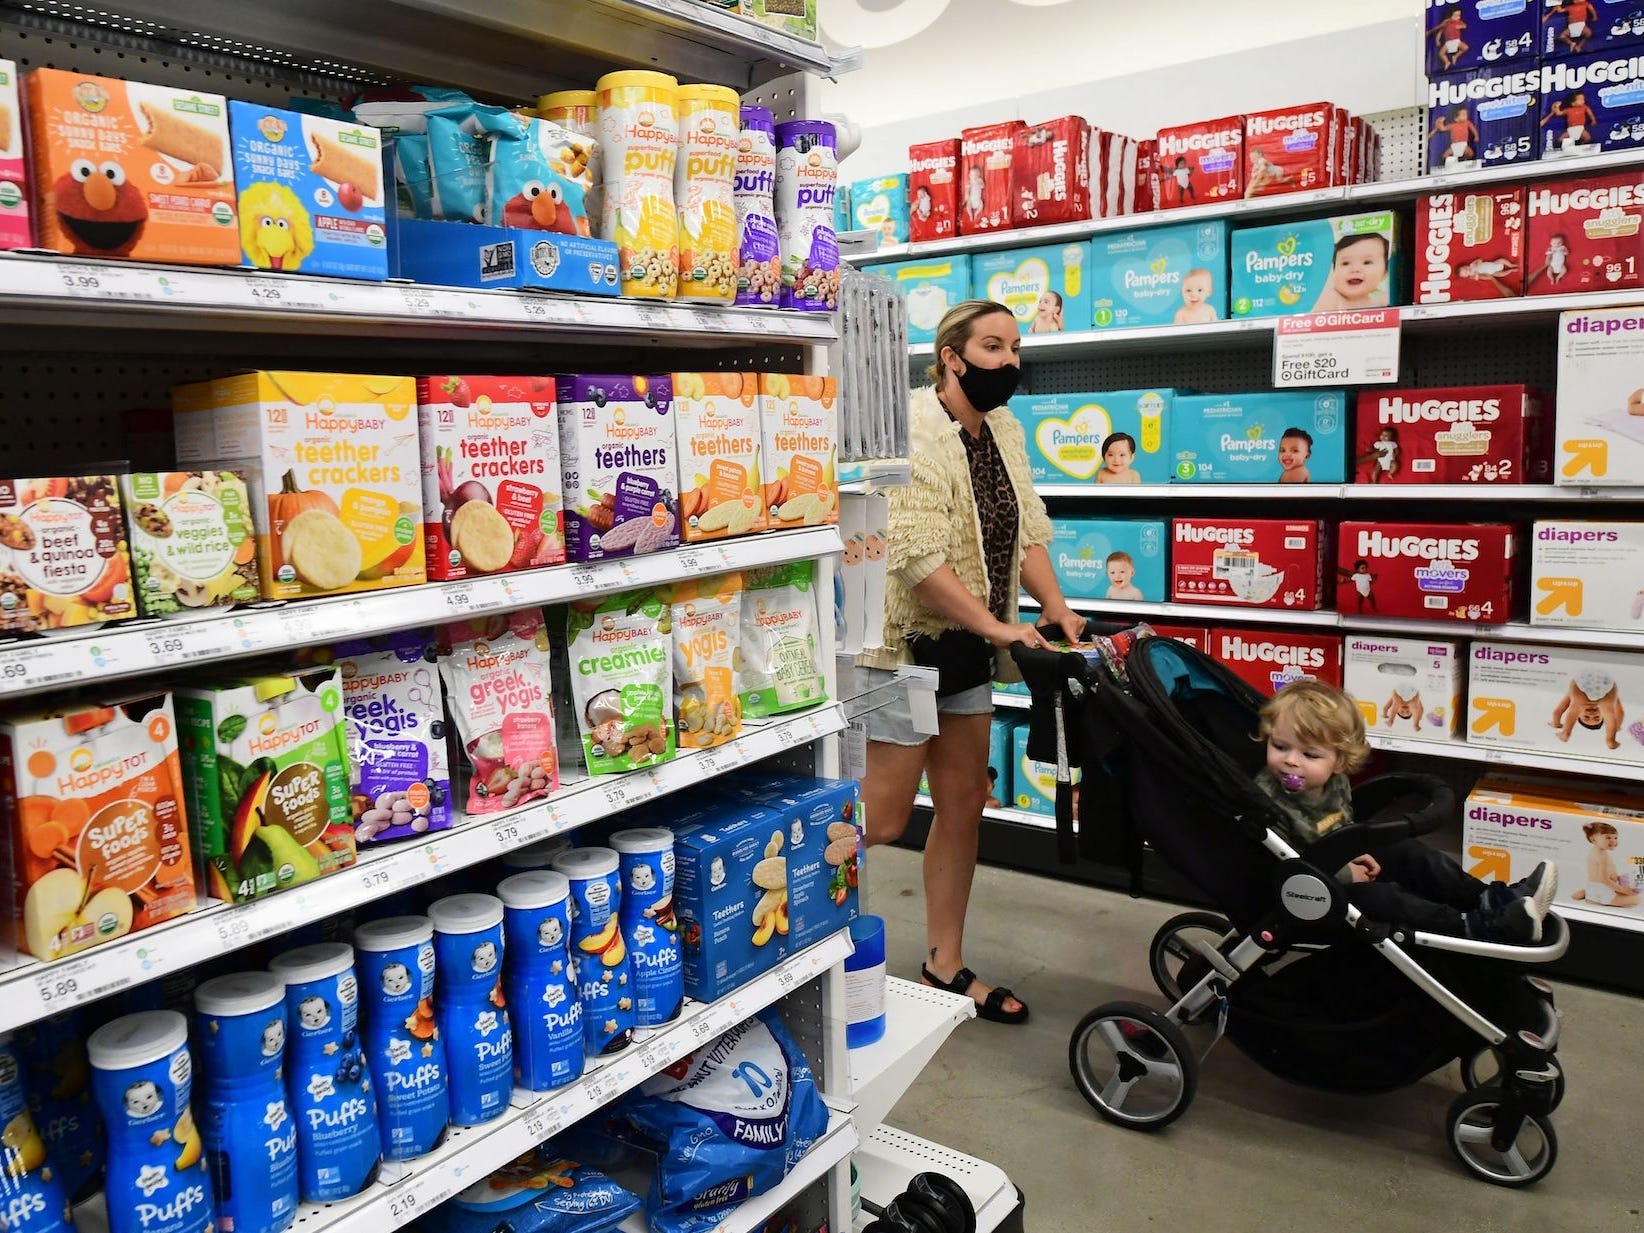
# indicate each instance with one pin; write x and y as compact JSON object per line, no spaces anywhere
{"x":1043,"y":287}
{"x":730,"y":889}
{"x":1260,"y":438}
{"x":1407,"y":687}
{"x":1478,"y":434}
{"x":719,"y":441}
{"x":63,"y":554}
{"x":1254,"y":562}
{"x":265,"y":759}
{"x":1426,"y":570}
{"x":124,"y":169}
{"x":1200,"y":163}
{"x":1110,"y":558}
{"x":1593,"y":103}
{"x":1470,"y":246}
{"x":800,"y":449}
{"x":1033,"y":783}
{"x":1585,"y":234}
{"x":930,"y":286}
{"x":616,"y":453}
{"x":1463,"y":34}
{"x":880,"y":205}
{"x":1587,"y":575}
{"x":1564,"y":699}
{"x":1598,"y":424}
{"x":310,"y":193}
{"x":1159,"y":275}
{"x":15,"y":230}
{"x":1484,"y":117}
{"x":1319,"y":265}
{"x":822,"y":852}
{"x":1112,"y":438}
{"x":193,"y":540}
{"x":92,"y":801}
{"x":1270,"y":659}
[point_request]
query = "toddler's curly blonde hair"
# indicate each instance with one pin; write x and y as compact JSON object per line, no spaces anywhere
{"x":1319,"y":714}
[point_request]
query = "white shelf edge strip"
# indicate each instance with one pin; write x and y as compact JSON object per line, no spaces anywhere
{"x":34,"y":989}
{"x":918,"y":1019}
{"x":131,"y":648}
{"x":1000,"y":813}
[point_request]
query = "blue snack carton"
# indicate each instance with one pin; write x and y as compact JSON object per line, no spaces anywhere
{"x":1487,"y":116}
{"x":1260,"y":438}
{"x":881,"y":205}
{"x":1110,"y":438}
{"x":716,"y":897}
{"x":1044,"y":287}
{"x":931,"y":287}
{"x":1159,"y":276}
{"x":822,"y":848}
{"x":1319,"y":265}
{"x":1593,"y":103}
{"x":310,"y":193}
{"x":1577,"y":29}
{"x":1465,"y":34}
{"x":1001,"y":749}
{"x":451,"y":254}
{"x":1110,"y":558}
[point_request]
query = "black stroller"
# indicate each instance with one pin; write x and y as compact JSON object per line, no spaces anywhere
{"x":1292,"y":973}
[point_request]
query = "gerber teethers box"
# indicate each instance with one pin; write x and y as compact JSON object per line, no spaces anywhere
{"x":1463,"y":34}
{"x":1173,"y":275}
{"x":1261,"y":438}
{"x":1066,"y":432}
{"x":1470,"y":246}
{"x":15,"y":231}
{"x":1599,"y":419}
{"x":1587,"y":574}
{"x":730,"y":885}
{"x":1564,"y":699}
{"x":616,"y":452}
{"x":1270,"y":659}
{"x":1200,"y":163}
{"x":718,"y":443}
{"x":1050,"y":173}
{"x":1318,"y":265}
{"x":1043,"y":287}
{"x":984,"y":176}
{"x":933,"y":191}
{"x":1585,"y":235}
{"x":1426,"y":570}
{"x":822,"y":854}
{"x":1477,"y":434}
{"x":799,"y":454}
{"x":1485,"y":116}
{"x":1291,"y":150}
{"x":1110,"y":558}
{"x":1254,"y":562}
{"x":1408,"y":687}
{"x":310,"y":193}
{"x":1592,"y":103}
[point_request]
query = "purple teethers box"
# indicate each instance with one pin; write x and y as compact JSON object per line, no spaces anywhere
{"x":616,"y":453}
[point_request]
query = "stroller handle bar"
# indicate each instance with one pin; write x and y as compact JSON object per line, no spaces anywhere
{"x":1383,"y":802}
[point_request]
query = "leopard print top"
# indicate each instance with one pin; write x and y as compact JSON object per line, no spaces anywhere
{"x":996,"y":507}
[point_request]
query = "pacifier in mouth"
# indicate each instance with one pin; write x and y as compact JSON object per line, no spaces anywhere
{"x":1292,"y":782}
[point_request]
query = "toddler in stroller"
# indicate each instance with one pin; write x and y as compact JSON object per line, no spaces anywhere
{"x":1314,"y":987}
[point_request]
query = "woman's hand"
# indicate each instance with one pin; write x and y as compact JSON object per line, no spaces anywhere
{"x":1365,"y":868}
{"x":1002,"y":635}
{"x":1071,"y":623}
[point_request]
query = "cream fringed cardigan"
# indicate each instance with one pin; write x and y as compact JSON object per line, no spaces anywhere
{"x":934,"y":522}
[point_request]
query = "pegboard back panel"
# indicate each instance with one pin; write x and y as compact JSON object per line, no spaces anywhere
{"x":1217,"y":372}
{"x":1403,"y":136}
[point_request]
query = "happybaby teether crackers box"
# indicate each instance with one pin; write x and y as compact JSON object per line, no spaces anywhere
{"x":1587,"y":574}
{"x":1426,"y":570}
{"x":1270,"y":659}
{"x":1477,"y":434}
{"x":1319,"y":265}
{"x":799,"y":457}
{"x":1112,"y":438}
{"x":1585,"y":234}
{"x":1260,"y":438}
{"x":1487,"y":116}
{"x":1253,"y":562}
{"x":1173,"y":275}
{"x":123,"y":169}
{"x":616,"y":452}
{"x":1200,"y":163}
{"x":1564,"y":699}
{"x":1470,"y":246}
{"x":930,"y":286}
{"x":718,"y":443}
{"x":1463,"y":34}
{"x":1598,"y":424}
{"x":15,"y":231}
{"x":1110,"y":558}
{"x":1043,"y":287}
{"x":730,"y":895}
{"x":1407,"y":687}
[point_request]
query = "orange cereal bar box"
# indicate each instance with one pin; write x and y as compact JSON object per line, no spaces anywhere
{"x":92,"y":799}
{"x":123,"y":169}
{"x":800,"y":415}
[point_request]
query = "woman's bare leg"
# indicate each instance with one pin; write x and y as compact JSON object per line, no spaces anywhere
{"x":888,"y":788}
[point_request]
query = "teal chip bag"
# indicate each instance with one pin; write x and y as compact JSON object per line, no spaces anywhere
{"x":458,"y":160}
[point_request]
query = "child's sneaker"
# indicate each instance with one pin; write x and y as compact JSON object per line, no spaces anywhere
{"x":1518,"y":924}
{"x":1540,"y":887}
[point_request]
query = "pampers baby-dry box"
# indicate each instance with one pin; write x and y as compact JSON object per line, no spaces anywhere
{"x":881,"y":205}
{"x":1159,"y":275}
{"x":1110,"y":558}
{"x":1070,"y":436}
{"x":1044,"y":287}
{"x":1565,"y":699}
{"x":1407,"y":687}
{"x":1599,"y":419}
{"x":1261,"y":438}
{"x":931,"y":286}
{"x":1587,"y":575}
{"x":1318,"y":265}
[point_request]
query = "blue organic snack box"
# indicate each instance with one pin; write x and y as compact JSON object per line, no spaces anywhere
{"x":1489,"y":116}
{"x":930,"y":286}
{"x":1464,"y":34}
{"x":1045,"y":287}
{"x":1001,"y":749}
{"x":1260,"y":438}
{"x":310,"y":193}
{"x":716,"y":897}
{"x":880,"y":205}
{"x":1070,"y":436}
{"x":822,"y":848}
{"x":1110,"y":558}
{"x":1159,"y":276}
{"x":1319,"y":265}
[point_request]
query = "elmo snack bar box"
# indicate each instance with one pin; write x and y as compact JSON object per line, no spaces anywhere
{"x":1598,"y":424}
{"x":1251,"y":562}
{"x":1408,"y":687}
{"x":1564,"y":699}
{"x":14,"y":169}
{"x":1270,"y":659}
{"x":1477,"y":434}
{"x":1199,"y":163}
{"x":1469,"y":246}
{"x":1426,"y":570}
{"x":1587,"y":575}
{"x":1291,"y":150}
{"x":1585,"y":234}
{"x":933,"y":191}
{"x":985,"y":181}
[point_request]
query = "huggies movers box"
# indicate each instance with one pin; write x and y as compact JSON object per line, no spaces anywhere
{"x":1426,"y":570}
{"x":1112,"y":438}
{"x":1407,"y":687}
{"x":1173,"y":275}
{"x":1110,"y":558}
{"x":1587,"y":574}
{"x":1044,"y":287}
{"x":1270,"y":659}
{"x":1260,"y":438}
{"x":1564,"y":699}
{"x":1598,"y":422}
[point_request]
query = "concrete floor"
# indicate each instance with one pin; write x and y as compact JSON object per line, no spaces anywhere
{"x":1252,"y":1153}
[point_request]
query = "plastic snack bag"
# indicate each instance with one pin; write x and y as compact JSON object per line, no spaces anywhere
{"x":497,"y":682}
{"x":778,"y":667}
{"x":707,"y":614}
{"x":539,"y":178}
{"x":620,"y":666}
{"x":539,"y":1192}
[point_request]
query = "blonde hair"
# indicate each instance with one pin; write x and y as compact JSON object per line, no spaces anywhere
{"x":1319,"y":715}
{"x":955,"y":329}
{"x":1589,"y":829}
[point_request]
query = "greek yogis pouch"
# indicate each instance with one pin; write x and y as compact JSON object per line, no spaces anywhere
{"x":496,"y":676}
{"x":778,"y":665}
{"x":539,"y":177}
{"x":539,"y":1192}
{"x":621,"y":667}
{"x":459,"y":160}
{"x":730,"y":1119}
{"x":413,"y":176}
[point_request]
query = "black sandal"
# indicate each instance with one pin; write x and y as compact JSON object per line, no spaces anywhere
{"x":993,"y":1009}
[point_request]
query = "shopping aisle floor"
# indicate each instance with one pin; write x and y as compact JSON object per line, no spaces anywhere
{"x":1252,"y":1153}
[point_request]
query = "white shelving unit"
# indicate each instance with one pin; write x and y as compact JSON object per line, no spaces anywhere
{"x":889,"y":1158}
{"x":918,"y":1019}
{"x":1494,"y":493}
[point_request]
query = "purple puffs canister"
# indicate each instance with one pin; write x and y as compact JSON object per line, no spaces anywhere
{"x":806,"y":179}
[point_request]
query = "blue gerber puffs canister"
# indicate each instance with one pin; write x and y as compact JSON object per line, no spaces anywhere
{"x":57,"y":1076}
{"x":395,"y":958}
{"x":468,"y":1003}
{"x":249,"y":1134}
{"x":32,"y":1199}
{"x":156,"y":1179}
{"x":540,"y":979}
{"x":339,"y":1146}
{"x":605,"y":979}
{"x":647,"y":871}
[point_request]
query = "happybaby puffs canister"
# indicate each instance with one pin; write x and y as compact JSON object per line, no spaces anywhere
{"x":806,"y":179}
{"x":639,"y":135}
{"x":704,"y":192}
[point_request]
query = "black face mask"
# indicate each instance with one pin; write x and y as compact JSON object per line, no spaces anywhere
{"x":987,"y":388}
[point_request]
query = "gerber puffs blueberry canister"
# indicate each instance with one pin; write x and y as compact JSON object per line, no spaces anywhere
{"x":647,"y":915}
{"x":605,"y":978}
{"x":540,"y":979}
{"x":395,"y":957}
{"x":469,"y":1006}
{"x":31,"y":1196}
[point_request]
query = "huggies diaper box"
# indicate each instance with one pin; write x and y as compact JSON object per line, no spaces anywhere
{"x":881,"y":205}
{"x":931,"y":286}
{"x":1254,"y":562}
{"x":1481,"y":434}
{"x":1426,"y":570}
{"x":1485,"y":116}
{"x":1292,"y":149}
{"x":1110,"y":558}
{"x":985,"y":177}
{"x":1050,"y":173}
{"x":1592,"y":103}
{"x":1587,"y":574}
{"x":1261,"y":438}
{"x":1585,"y":234}
{"x":1043,"y":287}
{"x":1159,"y":275}
{"x":1319,"y":265}
{"x":1576,"y":27}
{"x":1463,"y":34}
{"x":1564,"y":699}
{"x":1470,"y":246}
{"x":1196,"y":636}
{"x":1408,"y":687}
{"x":1599,"y":419}
{"x":1200,"y":163}
{"x":933,"y":191}
{"x":1270,"y":659}
{"x":1116,"y":438}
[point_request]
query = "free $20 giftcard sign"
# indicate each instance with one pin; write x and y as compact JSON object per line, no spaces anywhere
{"x":1358,"y":347}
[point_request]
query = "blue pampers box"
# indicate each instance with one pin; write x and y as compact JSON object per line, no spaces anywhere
{"x":716,"y":899}
{"x":1045,"y":287}
{"x":1260,"y":438}
{"x":881,"y":205}
{"x":310,"y":197}
{"x":1491,"y":32}
{"x":450,"y":254}
{"x":1609,"y":86}
{"x":1291,"y":267}
{"x":1490,"y":116}
{"x":1110,"y":558}
{"x":1032,"y":784}
{"x":1159,"y":276}
{"x":930,"y":286}
{"x":1066,"y":433}
{"x":1619,"y":25}
{"x":1001,"y":749}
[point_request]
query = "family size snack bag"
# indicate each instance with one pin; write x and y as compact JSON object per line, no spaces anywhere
{"x":718,"y":444}
{"x":539,"y":177}
{"x":639,"y":132}
{"x":759,"y":248}
{"x":15,"y":230}
{"x":705,"y":192}
{"x":616,"y":451}
{"x":707,"y":636}
{"x":1470,"y":246}
{"x":800,"y":456}
{"x":193,"y":542}
{"x":933,"y":190}
{"x":63,"y":554}
{"x":539,"y":1192}
{"x":620,"y":659}
{"x":496,"y":675}
{"x":779,"y":668}
{"x":984,"y":176}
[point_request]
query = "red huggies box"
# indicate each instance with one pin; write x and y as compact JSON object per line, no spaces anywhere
{"x":933,"y":190}
{"x":1470,"y":246}
{"x":1196,"y":636}
{"x":1147,"y":178}
{"x":984,"y":176}
{"x":1114,"y":159}
{"x":1254,"y":562}
{"x":1426,"y":569}
{"x":1201,"y":162}
{"x":1475,"y":434}
{"x":1270,"y":659}
{"x":1050,"y":169}
{"x":1290,"y":150}
{"x":1586,"y":235}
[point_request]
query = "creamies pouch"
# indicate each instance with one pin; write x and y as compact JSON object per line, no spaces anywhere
{"x":495,"y":671}
{"x":707,"y":614}
{"x":619,"y":654}
{"x":778,"y":666}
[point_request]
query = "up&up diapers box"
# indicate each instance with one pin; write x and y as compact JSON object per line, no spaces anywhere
{"x":1319,"y":265}
{"x":1464,"y":34}
{"x":1592,"y":103}
{"x":1033,"y":783}
{"x":1407,"y":687}
{"x":1159,"y":275}
{"x":1587,"y":574}
{"x":1270,"y":659}
{"x":1485,"y":116}
{"x":881,"y":205}
{"x":1426,"y":570}
{"x":1564,"y":699}
{"x":1110,"y":558}
{"x":1585,"y":234}
{"x":1575,"y":28}
{"x":1253,"y":562}
{"x":1043,"y":287}
{"x":1470,"y":246}
{"x":1116,"y":438}
{"x":931,"y":286}
{"x":1477,"y":434}
{"x":1598,"y":426}
{"x":1261,"y":438}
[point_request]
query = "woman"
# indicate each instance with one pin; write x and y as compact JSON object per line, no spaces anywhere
{"x":965,"y":537}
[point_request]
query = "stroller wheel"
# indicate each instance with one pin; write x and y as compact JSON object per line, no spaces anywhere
{"x":1484,"y":1069}
{"x":1133,"y":1065}
{"x":1176,"y":966}
{"x":1471,"y":1126}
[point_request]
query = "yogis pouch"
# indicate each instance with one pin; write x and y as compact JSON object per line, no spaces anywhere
{"x":496,"y":677}
{"x":397,"y":752}
{"x":778,"y":667}
{"x":707,"y":615}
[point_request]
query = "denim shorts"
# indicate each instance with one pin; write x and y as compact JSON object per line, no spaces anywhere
{"x":892,"y":721}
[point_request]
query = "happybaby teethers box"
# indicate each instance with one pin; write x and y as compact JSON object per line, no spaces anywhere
{"x":1587,"y":575}
{"x":930,"y":286}
{"x":1406,"y":687}
{"x":1259,"y":438}
{"x":1319,"y":265}
{"x":1110,"y":558}
{"x":1564,"y":699}
{"x":1044,"y":287}
{"x":1425,"y":570}
{"x":1599,"y":417}
{"x":1255,"y":562}
{"x":1159,"y":275}
{"x":1111,"y":438}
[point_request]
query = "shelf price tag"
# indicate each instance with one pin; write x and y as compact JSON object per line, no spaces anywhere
{"x":110,"y":282}
{"x":1343,"y":348}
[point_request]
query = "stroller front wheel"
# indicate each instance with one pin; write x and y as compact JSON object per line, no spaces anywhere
{"x":1175,"y":964}
{"x":1484,"y":1069}
{"x":1471,"y":1129}
{"x":1133,"y":1065}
